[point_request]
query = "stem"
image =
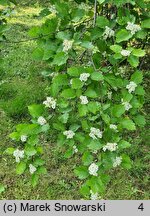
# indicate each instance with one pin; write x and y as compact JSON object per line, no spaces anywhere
{"x":95,"y":13}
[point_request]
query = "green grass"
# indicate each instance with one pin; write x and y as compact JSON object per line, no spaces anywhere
{"x":21,"y":85}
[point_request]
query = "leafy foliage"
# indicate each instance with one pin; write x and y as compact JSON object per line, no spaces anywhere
{"x":91,"y":101}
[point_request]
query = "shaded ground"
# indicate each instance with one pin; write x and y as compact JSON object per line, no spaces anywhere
{"x":22,"y":84}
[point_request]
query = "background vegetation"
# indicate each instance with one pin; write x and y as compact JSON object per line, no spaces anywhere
{"x":21,"y":84}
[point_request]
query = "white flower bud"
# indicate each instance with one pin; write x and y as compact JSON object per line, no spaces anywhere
{"x":69,"y":134}
{"x":131,"y":87}
{"x":41,"y":120}
{"x":84,"y":100}
{"x":93,"y":168}
{"x":32,"y":168}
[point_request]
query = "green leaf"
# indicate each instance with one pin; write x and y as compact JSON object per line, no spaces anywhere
{"x":137,"y":77}
{"x":123,"y":35}
{"x":73,"y":71}
{"x":2,"y":188}
{"x":21,"y":167}
{"x":82,"y":109}
{"x":95,"y":145}
{"x":138,"y":52}
{"x":68,"y":93}
{"x":126,"y":162}
{"x":133,"y":60}
{"x":139,"y":120}
{"x":76,"y":83}
{"x":118,"y":110}
{"x":91,"y":93}
{"x":81,"y":172}
{"x":34,"y":180}
{"x":124,"y":144}
{"x":85,"y":190}
{"x":64,"y":118}
{"x":38,"y":162}
{"x":87,"y":158}
{"x":9,"y":151}
{"x":30,"y":151}
{"x":41,"y":170}
{"x":93,"y":107}
{"x":36,"y":110}
{"x":102,"y":22}
{"x":96,"y":185}
{"x":101,"y":1}
{"x":116,"y":48}
{"x":139,"y":90}
{"x":38,"y":54}
{"x":68,"y":153}
{"x":127,"y":124}
{"x":60,"y":59}
{"x":97,"y":76}
{"x":145,"y":23}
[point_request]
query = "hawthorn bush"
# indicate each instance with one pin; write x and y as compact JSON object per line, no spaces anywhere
{"x":94,"y":51}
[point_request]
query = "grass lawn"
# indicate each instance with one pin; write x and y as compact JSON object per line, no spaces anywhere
{"x":22,"y":84}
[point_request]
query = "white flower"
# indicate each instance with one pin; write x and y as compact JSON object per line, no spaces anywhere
{"x":32,"y":168}
{"x":41,"y":120}
{"x":84,"y":6}
{"x":75,"y":150}
{"x":95,"y":151}
{"x":108,"y":33}
{"x":109,"y":94}
{"x":125,"y":53}
{"x":84,"y":77}
{"x":69,"y":134}
{"x":93,"y":168}
{"x":117,"y":161}
{"x":84,"y":99}
{"x":24,"y":138}
{"x":113,"y":126}
{"x":18,"y":154}
{"x":110,"y":146}
{"x":50,"y":102}
{"x":126,"y":104}
{"x":94,"y":196}
{"x":133,"y":28}
{"x":131,"y":87}
{"x":71,"y":82}
{"x":95,"y":133}
{"x":52,"y":9}
{"x":67,"y":45}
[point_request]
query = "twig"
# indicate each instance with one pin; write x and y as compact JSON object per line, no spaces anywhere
{"x":95,"y":13}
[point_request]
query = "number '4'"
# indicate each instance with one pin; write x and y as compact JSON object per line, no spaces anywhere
{"x":141,"y":207}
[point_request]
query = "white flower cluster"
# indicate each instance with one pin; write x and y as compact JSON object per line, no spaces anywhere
{"x":133,"y":28}
{"x":84,"y":77}
{"x":84,"y":7}
{"x":52,"y":9}
{"x":108,"y":33}
{"x":23,"y":138}
{"x":67,"y":45}
{"x":131,"y":87}
{"x":125,"y":53}
{"x":93,"y":168}
{"x":117,"y":161}
{"x":94,"y":196}
{"x":113,"y":127}
{"x":111,"y":147}
{"x":41,"y":120}
{"x":18,"y":154}
{"x":109,"y":94}
{"x":69,"y":134}
{"x":32,"y":168}
{"x":95,"y":133}
{"x":75,"y":150}
{"x":126,"y":104}
{"x":84,"y":99}
{"x":50,"y":102}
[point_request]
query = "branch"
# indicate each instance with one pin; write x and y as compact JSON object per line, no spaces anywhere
{"x":95,"y":13}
